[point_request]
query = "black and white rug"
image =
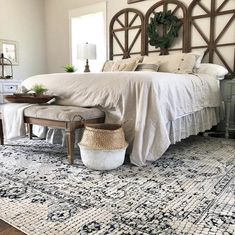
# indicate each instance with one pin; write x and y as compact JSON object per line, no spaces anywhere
{"x":190,"y":190}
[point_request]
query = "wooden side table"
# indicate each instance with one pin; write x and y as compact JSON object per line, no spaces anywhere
{"x":228,"y":94}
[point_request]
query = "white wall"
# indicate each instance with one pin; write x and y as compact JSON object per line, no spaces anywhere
{"x":23,"y":21}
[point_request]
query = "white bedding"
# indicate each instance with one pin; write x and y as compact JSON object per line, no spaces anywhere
{"x":147,"y":101}
{"x":13,"y":125}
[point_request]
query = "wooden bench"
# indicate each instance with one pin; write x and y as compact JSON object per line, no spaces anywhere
{"x":68,"y":118}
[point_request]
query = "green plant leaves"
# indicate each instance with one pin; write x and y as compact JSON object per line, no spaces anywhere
{"x":167,"y":20}
{"x":69,"y":68}
{"x":38,"y":89}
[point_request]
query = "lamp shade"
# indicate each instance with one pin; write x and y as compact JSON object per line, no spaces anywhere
{"x":86,"y":51}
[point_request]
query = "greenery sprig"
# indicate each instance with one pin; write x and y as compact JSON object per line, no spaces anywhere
{"x":38,"y":89}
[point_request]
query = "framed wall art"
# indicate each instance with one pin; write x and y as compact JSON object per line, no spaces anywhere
{"x":10,"y":50}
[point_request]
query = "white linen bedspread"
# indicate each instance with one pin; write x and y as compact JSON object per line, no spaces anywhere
{"x":147,"y":101}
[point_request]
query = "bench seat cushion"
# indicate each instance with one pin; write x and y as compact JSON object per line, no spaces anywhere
{"x":62,"y":113}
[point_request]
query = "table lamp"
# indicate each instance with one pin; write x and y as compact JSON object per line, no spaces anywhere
{"x":85,"y":52}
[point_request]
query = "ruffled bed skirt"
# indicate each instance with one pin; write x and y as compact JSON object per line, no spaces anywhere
{"x":178,"y":129}
{"x":194,"y":123}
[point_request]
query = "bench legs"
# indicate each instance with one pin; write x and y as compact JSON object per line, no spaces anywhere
{"x":30,"y":130}
{"x":1,"y":133}
{"x":70,"y":136}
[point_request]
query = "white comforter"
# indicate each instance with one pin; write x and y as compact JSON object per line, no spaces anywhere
{"x":144,"y":101}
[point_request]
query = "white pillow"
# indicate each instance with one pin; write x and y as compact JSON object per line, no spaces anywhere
{"x":217,"y":70}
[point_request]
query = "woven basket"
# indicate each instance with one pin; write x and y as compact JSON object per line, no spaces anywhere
{"x":103,"y":137}
{"x":103,"y":146}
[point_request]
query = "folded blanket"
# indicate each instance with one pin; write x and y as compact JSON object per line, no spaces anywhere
{"x":13,"y":120}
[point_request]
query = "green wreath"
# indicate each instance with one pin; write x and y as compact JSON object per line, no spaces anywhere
{"x":172,"y":24}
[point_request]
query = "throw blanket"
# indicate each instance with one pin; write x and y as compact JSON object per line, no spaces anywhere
{"x":13,"y":120}
{"x":146,"y":101}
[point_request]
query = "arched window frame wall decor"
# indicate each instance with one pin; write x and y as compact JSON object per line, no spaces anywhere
{"x":126,"y":27}
{"x":211,"y":45}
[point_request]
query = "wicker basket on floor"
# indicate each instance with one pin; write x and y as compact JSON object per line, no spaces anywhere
{"x":103,"y":146}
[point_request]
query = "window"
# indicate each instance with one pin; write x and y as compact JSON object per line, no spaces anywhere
{"x":88,"y":24}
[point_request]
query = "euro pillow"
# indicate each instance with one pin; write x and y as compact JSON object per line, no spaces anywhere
{"x":107,"y":67}
{"x":147,"y":67}
{"x":214,"y":69}
{"x":175,"y":63}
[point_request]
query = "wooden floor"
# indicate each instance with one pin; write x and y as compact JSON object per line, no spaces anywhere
{"x":6,"y":229}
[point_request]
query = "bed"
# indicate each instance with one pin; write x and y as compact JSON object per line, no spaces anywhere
{"x":156,"y":108}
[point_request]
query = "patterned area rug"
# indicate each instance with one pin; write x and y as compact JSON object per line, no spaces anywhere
{"x":190,"y":190}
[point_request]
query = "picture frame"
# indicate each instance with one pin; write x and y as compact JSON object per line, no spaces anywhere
{"x":10,"y":50}
{"x":134,"y":1}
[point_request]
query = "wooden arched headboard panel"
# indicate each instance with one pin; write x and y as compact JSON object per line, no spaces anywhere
{"x":177,"y":8}
{"x":128,"y":30}
{"x":126,"y":34}
{"x":212,"y":35}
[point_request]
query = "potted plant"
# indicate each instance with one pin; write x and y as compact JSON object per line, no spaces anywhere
{"x":38,"y":89}
{"x":69,"y":68}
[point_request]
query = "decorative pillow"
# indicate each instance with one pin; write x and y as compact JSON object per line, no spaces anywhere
{"x":124,"y":66}
{"x":199,"y":55}
{"x":107,"y":66}
{"x":147,"y":67}
{"x":217,"y":70}
{"x":109,"y":63}
{"x":175,"y":63}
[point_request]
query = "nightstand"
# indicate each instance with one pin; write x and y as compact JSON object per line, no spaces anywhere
{"x":8,"y":87}
{"x":228,"y":94}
